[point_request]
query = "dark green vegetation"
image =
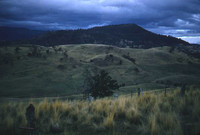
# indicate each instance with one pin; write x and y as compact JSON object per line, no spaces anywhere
{"x":124,"y":35}
{"x":32,"y":71}
{"x":130,"y":35}
{"x":102,"y":85}
{"x":118,"y":35}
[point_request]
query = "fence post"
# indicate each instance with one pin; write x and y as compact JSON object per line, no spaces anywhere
{"x":30,"y":117}
{"x":116,"y":96}
{"x":141,"y":91}
{"x":131,"y":93}
{"x":91,"y":99}
{"x":182,"y":91}
{"x":138,"y":92}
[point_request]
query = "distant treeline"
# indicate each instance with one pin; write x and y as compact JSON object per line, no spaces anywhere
{"x":125,"y":35}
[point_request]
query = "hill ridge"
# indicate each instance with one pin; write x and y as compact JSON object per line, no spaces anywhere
{"x":122,"y":35}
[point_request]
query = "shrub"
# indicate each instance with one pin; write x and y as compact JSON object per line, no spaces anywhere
{"x":17,"y":49}
{"x":65,"y":54}
{"x":61,"y":67}
{"x":8,"y":58}
{"x":129,"y":58}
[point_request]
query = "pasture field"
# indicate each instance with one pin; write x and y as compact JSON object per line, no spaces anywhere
{"x":38,"y":71}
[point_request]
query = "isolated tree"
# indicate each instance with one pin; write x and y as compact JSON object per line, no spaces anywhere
{"x":35,"y":51}
{"x":17,"y":49}
{"x":172,"y":48}
{"x":102,"y":85}
{"x":8,"y":58}
{"x":60,"y":49}
{"x":65,"y":54}
{"x":47,"y":51}
{"x":120,"y":62}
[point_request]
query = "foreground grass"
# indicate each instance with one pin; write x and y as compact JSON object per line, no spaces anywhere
{"x":151,"y":113}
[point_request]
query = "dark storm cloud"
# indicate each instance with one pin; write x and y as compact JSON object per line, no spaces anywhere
{"x":174,"y":17}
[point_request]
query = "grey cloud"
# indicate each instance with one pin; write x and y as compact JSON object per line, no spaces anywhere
{"x":161,"y":16}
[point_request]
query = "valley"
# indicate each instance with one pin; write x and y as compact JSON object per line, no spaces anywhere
{"x":38,"y":71}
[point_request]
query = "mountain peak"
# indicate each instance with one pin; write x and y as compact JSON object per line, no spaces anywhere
{"x":121,"y":35}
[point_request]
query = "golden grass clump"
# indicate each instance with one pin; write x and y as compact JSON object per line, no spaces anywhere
{"x":109,"y":121}
{"x":164,"y":123}
{"x":133,"y":115}
{"x":9,"y":122}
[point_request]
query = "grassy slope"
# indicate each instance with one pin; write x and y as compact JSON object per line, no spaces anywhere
{"x":152,"y":113}
{"x":40,"y":76}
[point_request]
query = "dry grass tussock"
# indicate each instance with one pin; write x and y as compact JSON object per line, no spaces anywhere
{"x":151,"y":113}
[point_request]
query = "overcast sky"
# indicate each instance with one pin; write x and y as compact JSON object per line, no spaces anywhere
{"x":179,"y":18}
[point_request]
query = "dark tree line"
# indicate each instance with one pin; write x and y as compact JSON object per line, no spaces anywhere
{"x":125,"y":35}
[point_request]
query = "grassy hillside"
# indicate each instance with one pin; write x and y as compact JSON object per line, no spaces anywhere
{"x":152,"y":113}
{"x":45,"y":71}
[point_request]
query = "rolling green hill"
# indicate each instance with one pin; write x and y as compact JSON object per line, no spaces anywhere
{"x":30,"y":71}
